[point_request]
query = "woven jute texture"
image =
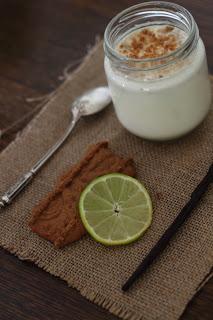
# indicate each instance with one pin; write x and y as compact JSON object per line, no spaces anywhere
{"x":169,"y":170}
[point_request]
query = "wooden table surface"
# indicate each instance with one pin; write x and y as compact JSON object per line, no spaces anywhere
{"x":38,"y":39}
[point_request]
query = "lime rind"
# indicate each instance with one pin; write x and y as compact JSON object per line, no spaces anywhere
{"x":137,"y":222}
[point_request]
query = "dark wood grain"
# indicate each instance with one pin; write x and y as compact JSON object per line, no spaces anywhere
{"x":38,"y":39}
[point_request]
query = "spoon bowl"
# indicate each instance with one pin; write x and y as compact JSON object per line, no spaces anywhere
{"x":92,"y":101}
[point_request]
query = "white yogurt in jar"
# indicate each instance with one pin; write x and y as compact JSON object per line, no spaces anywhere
{"x":163,"y":103}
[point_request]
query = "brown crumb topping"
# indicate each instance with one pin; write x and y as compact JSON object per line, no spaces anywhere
{"x":149,"y":43}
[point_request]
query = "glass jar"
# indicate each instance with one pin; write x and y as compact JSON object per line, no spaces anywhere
{"x":158,"y":98}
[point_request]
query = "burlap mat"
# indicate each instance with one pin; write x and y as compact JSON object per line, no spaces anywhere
{"x":170,"y":171}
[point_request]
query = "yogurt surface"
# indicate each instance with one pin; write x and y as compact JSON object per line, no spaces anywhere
{"x":151,"y":42}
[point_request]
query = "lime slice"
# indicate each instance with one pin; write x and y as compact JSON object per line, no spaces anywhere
{"x":115,"y":209}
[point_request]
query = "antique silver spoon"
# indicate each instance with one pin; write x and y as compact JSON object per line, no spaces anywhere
{"x":89,"y":103}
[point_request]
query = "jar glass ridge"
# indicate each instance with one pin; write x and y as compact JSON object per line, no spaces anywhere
{"x":148,"y":14}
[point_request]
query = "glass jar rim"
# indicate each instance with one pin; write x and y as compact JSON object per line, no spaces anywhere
{"x":186,"y":46}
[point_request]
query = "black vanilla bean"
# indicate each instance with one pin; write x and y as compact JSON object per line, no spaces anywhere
{"x":172,"y":229}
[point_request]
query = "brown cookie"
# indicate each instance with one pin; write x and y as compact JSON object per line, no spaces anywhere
{"x":56,"y":217}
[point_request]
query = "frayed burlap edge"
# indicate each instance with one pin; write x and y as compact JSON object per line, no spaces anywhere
{"x":97,"y":298}
{"x":50,"y":97}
